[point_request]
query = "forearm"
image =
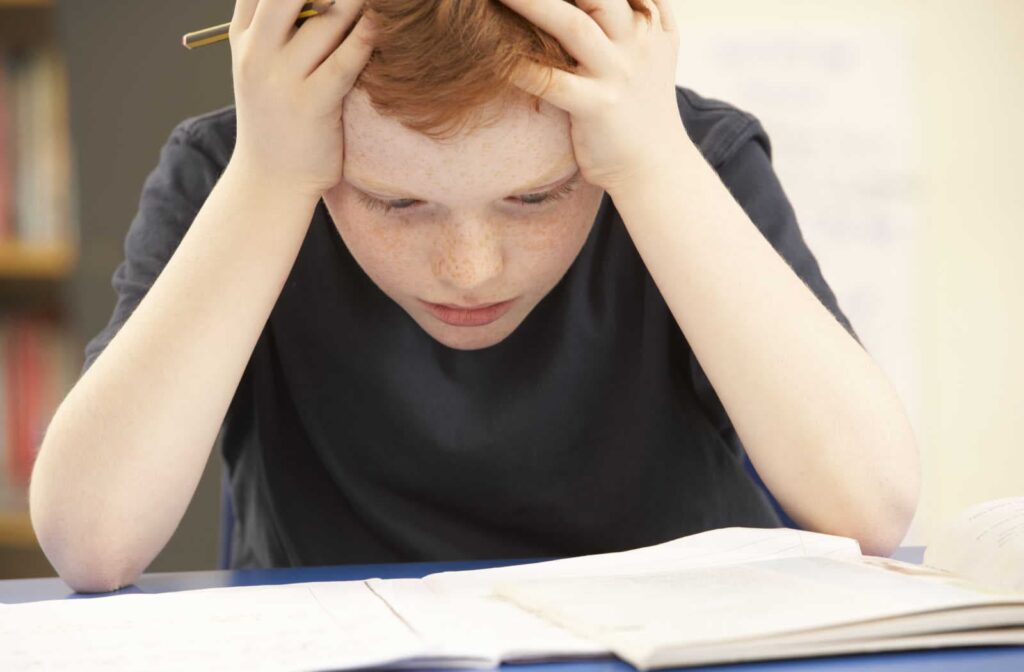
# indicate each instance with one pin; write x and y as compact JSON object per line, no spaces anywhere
{"x":820,"y":421}
{"x":123,"y":454}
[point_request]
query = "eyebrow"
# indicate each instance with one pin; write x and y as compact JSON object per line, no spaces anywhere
{"x":549,"y":181}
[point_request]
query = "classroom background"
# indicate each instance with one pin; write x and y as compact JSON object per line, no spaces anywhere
{"x":894,"y":130}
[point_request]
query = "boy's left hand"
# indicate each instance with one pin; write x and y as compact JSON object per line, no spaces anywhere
{"x":622,"y":100}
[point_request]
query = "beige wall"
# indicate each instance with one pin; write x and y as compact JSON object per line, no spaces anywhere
{"x":968,"y":65}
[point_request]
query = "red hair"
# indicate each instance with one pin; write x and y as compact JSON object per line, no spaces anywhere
{"x":438,"y":64}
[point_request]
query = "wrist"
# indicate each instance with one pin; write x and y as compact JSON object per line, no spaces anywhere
{"x":657,"y":166}
{"x":268,"y":183}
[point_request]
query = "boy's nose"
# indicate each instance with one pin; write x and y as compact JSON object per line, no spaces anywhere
{"x":469,"y":256}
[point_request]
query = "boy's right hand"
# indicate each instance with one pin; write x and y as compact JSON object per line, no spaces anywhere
{"x":289,"y":86}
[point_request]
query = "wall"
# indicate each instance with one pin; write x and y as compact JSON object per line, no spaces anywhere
{"x":966,"y":62}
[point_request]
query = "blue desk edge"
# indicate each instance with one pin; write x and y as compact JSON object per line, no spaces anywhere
{"x":13,"y":591}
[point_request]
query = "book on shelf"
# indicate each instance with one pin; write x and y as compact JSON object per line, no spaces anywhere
{"x":36,"y":181}
{"x":6,"y":152}
{"x":725,"y":595}
{"x":37,"y":368}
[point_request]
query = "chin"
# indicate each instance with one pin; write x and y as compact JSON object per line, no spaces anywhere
{"x":467,"y":338}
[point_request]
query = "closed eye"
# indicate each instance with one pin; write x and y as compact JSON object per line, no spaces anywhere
{"x":528,"y":200}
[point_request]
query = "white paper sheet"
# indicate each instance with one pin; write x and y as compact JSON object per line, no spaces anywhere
{"x":985,"y":544}
{"x":305,"y":626}
{"x":724,"y":546}
{"x":482,"y":625}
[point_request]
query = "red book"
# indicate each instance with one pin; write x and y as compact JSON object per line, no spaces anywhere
{"x":32,"y":396}
{"x":48,"y":363}
{"x":23,"y":400}
{"x":12,"y":383}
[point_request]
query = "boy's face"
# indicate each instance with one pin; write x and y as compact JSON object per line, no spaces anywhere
{"x":470,"y":235}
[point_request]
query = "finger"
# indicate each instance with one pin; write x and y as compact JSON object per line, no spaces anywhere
{"x":320,"y":35}
{"x":615,"y":17}
{"x":274,"y":20}
{"x":652,"y":6}
{"x":242,"y":16}
{"x":342,"y":67}
{"x":572,"y":27}
{"x":668,"y":19}
{"x":558,"y":87}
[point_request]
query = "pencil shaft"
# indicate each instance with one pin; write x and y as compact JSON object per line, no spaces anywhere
{"x":201,"y":38}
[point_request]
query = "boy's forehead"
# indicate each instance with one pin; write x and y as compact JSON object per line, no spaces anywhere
{"x":518,"y":148}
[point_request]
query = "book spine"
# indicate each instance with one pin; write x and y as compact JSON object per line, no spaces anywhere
{"x":36,"y":372}
{"x":35,"y":148}
{"x":7,"y":495}
{"x":11,"y":383}
{"x":25,"y":401}
{"x":6,"y":207}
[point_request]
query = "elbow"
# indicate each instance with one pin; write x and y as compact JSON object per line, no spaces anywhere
{"x":86,"y":567}
{"x":883,"y":536}
{"x":878,"y":527}
{"x":96,"y":578}
{"x":880,"y":501}
{"x":894,"y":499}
{"x":86,"y":572}
{"x":892,"y":520}
{"x":85,"y":559}
{"x":878,"y":517}
{"x":874,"y":506}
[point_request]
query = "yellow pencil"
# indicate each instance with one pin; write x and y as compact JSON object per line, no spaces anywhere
{"x":200,"y":38}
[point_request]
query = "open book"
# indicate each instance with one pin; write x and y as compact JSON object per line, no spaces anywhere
{"x":970,"y":591}
{"x":718,"y":596}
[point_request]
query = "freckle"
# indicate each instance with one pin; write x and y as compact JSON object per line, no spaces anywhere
{"x":387,"y":238}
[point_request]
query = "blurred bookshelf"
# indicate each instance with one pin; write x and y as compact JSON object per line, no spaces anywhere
{"x":7,"y":4}
{"x":39,"y":250}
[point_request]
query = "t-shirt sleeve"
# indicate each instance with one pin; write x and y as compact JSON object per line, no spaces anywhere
{"x":748,"y":173}
{"x":171,"y":196}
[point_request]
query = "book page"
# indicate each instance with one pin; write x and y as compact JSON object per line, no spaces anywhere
{"x":715,"y":609}
{"x":985,"y":544}
{"x":459,"y":608}
{"x":758,"y":651}
{"x":481,"y":625}
{"x":723,"y":546}
{"x":304,"y":626}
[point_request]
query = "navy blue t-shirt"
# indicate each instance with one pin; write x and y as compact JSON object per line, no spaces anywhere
{"x":355,"y":437}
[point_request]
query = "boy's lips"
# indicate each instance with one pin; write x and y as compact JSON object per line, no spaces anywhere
{"x":468,"y":316}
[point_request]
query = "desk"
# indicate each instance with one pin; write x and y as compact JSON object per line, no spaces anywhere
{"x":972,"y":659}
